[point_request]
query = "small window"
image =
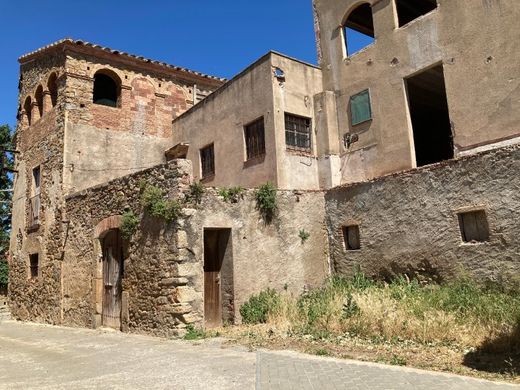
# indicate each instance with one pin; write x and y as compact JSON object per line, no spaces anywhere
{"x":34,"y":211}
{"x":255,"y":139}
{"x":297,"y":131}
{"x":351,"y":237}
{"x":27,"y":106}
{"x":106,"y":90}
{"x":360,"y":108}
{"x":34,"y":260}
{"x":474,"y":226}
{"x":52,"y":86}
{"x":207,"y":161}
{"x":38,"y":96}
{"x":359,"y":29}
{"x":408,"y":10}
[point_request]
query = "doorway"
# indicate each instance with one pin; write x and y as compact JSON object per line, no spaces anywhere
{"x":430,"y":118}
{"x":113,"y":268}
{"x":218,"y":277}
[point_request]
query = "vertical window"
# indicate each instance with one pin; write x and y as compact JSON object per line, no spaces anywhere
{"x":34,"y":214}
{"x":359,"y":29}
{"x":27,"y":108}
{"x":38,"y":96}
{"x":360,"y":108}
{"x":52,"y":86}
{"x":351,"y":237}
{"x":474,"y":226}
{"x":408,"y":10}
{"x":255,"y":139}
{"x":34,"y":260}
{"x":106,"y":89}
{"x":297,"y":131}
{"x":207,"y":161}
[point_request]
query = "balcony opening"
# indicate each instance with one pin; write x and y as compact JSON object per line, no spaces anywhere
{"x":430,"y":118}
{"x":358,"y":29}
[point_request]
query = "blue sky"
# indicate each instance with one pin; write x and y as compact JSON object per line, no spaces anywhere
{"x":219,"y":37}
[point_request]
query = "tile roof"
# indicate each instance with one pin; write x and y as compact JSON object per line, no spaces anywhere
{"x":77,"y":42}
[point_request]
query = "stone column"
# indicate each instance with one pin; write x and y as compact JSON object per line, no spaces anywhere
{"x":35,"y":112}
{"x":47,"y":102}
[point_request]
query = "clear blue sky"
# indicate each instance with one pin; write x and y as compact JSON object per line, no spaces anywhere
{"x":219,"y":37}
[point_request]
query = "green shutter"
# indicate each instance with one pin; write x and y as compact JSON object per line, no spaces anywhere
{"x":360,"y":108}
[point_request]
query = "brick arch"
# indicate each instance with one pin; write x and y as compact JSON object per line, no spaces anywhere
{"x":112,"y":222}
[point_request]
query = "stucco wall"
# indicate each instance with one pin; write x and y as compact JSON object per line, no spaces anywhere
{"x":409,"y":222}
{"x":478,"y":43}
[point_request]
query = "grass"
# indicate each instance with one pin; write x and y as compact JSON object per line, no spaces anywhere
{"x":459,"y":326}
{"x":193,"y":333}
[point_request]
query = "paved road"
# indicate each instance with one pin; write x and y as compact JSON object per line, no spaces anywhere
{"x":44,"y":357}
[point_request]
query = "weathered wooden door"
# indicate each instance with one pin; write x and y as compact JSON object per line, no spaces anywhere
{"x":112,"y":278}
{"x":212,"y":282}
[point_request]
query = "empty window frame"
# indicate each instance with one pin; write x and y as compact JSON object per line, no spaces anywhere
{"x":297,"y":132}
{"x":358,"y":29}
{"x":408,"y":10}
{"x":34,"y":263}
{"x":254,"y":135}
{"x":207,"y":161}
{"x":106,"y":89}
{"x":474,"y":226}
{"x":52,"y":86}
{"x":360,"y":108}
{"x":27,"y":106}
{"x":351,"y":237}
{"x":38,"y":96}
{"x":34,"y":212}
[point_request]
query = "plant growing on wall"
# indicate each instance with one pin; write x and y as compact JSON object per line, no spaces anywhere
{"x":157,"y":206}
{"x":304,"y":235}
{"x":6,"y":163}
{"x":232,"y":194}
{"x":196,"y":192}
{"x":129,"y":224}
{"x":266,"y":201}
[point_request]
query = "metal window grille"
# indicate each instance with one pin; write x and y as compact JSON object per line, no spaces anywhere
{"x":207,"y":161}
{"x":33,"y":265}
{"x":255,"y":139}
{"x":297,"y":131}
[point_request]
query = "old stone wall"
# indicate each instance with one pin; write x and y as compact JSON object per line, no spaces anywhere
{"x":163,"y":285}
{"x":409,"y":222}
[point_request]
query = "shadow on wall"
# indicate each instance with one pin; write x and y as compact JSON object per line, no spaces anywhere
{"x":499,"y":355}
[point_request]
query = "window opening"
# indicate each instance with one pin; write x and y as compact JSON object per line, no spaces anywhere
{"x":106,"y":90}
{"x":430,"y":118}
{"x":359,"y":29}
{"x":360,"y":108}
{"x":27,"y":108}
{"x":474,"y":226}
{"x":297,"y":131}
{"x":52,"y":86}
{"x":207,"y":161}
{"x":34,"y":214}
{"x":408,"y":10}
{"x":34,"y":261}
{"x":255,"y":139}
{"x":351,"y":237}
{"x":38,"y":96}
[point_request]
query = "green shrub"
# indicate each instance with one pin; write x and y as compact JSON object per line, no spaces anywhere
{"x":4,"y":274}
{"x":196,"y":192}
{"x":266,"y":201}
{"x":257,"y":309}
{"x":129,"y":224}
{"x":232,"y":194}
{"x":304,"y":235}
{"x":153,"y":201}
{"x":193,"y":333}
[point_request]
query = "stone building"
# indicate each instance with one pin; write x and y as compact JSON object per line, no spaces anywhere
{"x":398,"y":157}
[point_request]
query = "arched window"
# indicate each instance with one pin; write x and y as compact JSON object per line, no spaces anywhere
{"x":359,"y":29}
{"x":27,"y":108}
{"x":38,"y":96}
{"x":52,"y":86}
{"x":106,"y":89}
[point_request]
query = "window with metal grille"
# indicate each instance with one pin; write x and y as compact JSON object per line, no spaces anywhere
{"x":33,"y":265}
{"x":255,"y":139}
{"x":297,"y":131}
{"x":351,"y":237}
{"x":474,"y":226}
{"x":207,"y":161}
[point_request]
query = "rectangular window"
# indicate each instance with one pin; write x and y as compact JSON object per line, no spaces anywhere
{"x":474,"y":226}
{"x":408,"y":10}
{"x":33,"y":265}
{"x":351,"y":237}
{"x":34,"y":212}
{"x":297,"y":131}
{"x":360,"y":108}
{"x":207,"y":161}
{"x":255,"y":139}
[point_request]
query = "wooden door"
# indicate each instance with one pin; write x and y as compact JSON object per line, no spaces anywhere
{"x":112,"y":278}
{"x":212,"y":290}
